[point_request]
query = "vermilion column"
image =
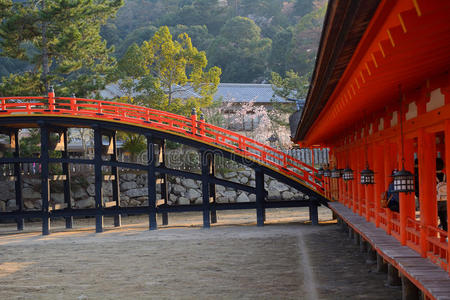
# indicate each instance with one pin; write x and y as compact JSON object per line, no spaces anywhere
{"x":407,"y":201}
{"x":354,"y":166}
{"x":447,"y":169}
{"x":361,"y":190}
{"x":378,"y":168}
{"x":337,"y":182}
{"x":389,"y":163}
{"x":348,"y":184}
{"x":427,"y":182}
{"x":342,"y":191}
{"x":369,"y":187}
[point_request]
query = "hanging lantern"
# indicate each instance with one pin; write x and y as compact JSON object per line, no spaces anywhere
{"x":367,"y":176}
{"x":327,"y":173}
{"x":403,"y":181}
{"x":320,"y":172}
{"x":335,"y":173}
{"x":347,"y":174}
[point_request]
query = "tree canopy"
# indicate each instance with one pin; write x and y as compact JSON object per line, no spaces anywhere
{"x":60,"y":39}
{"x":241,"y":51}
{"x":285,"y":34}
{"x":168,"y":74}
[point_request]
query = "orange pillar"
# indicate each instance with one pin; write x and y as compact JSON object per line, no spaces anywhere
{"x":349,"y":185}
{"x":338,"y":181}
{"x":427,"y":182}
{"x":342,"y":189}
{"x":407,"y":201}
{"x":389,"y":163}
{"x":447,"y":170}
{"x":354,"y":166}
{"x":378,"y":168}
{"x":361,"y":189}
{"x":369,"y":187}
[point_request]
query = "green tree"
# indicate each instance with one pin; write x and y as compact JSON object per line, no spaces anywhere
{"x":61,"y":40}
{"x":280,"y":50}
{"x":137,"y":36}
{"x":305,"y":40}
{"x":130,"y":69}
{"x":302,"y":7}
{"x":198,"y":33}
{"x":174,"y":68}
{"x":135,"y":144}
{"x":241,"y":51}
{"x":210,"y":13}
{"x":291,"y":88}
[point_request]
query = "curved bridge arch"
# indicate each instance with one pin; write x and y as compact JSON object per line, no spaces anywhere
{"x":59,"y":114}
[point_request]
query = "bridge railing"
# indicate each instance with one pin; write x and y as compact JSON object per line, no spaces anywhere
{"x":162,"y":120}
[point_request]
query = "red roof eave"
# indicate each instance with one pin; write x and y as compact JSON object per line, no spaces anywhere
{"x":405,"y":43}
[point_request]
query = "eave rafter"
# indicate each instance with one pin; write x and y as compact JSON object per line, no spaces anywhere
{"x":396,"y":25}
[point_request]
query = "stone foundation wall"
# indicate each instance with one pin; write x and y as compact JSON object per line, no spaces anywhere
{"x":133,"y":191}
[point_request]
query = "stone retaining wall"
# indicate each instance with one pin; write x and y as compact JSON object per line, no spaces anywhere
{"x":133,"y":191}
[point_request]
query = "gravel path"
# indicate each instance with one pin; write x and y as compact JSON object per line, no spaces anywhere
{"x":287,"y":259}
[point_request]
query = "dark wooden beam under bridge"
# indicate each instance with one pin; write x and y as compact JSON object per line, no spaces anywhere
{"x":156,"y":168}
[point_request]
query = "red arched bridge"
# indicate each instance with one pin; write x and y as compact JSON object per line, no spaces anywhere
{"x":57,"y":114}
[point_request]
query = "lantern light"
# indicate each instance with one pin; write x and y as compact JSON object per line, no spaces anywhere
{"x":403,"y":181}
{"x":335,"y":173}
{"x":347,"y":174}
{"x":320,"y":172}
{"x":367,"y":176}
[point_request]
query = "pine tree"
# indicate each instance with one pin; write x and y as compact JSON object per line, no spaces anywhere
{"x":61,"y":40}
{"x":172,"y":69}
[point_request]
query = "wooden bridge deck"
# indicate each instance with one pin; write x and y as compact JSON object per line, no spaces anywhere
{"x":428,"y":277}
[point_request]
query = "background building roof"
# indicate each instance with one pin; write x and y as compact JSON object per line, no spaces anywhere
{"x":230,"y":92}
{"x":246,"y":92}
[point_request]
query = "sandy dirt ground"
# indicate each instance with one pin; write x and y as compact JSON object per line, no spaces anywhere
{"x":286,"y":259}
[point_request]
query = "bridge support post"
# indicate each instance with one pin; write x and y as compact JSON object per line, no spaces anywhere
{"x":393,"y":279}
{"x":260,"y":197}
{"x":362,"y":245}
{"x":115,"y":182}
{"x":313,"y":213}
{"x":371,"y":256}
{"x":357,"y":238}
{"x":164,"y":183}
{"x":381,"y":264}
{"x":409,"y":290}
{"x":66,"y":172}
{"x":212,"y":192}
{"x":151,"y":183}
{"x":14,"y":136}
{"x":45,"y":183}
{"x":98,"y":179}
{"x":206,"y":165}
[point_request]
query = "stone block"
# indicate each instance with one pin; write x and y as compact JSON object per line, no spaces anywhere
{"x":242,"y":198}
{"x":128,"y":185}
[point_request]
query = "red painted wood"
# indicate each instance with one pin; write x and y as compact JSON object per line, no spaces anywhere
{"x":160,"y":120}
{"x":447,"y":168}
{"x":427,"y":182}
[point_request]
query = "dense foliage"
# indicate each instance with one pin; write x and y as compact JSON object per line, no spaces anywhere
{"x":247,"y":39}
{"x":167,"y":74}
{"x":60,"y":41}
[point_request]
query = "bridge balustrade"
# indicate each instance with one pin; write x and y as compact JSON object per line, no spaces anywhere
{"x":57,"y":114}
{"x":128,"y":113}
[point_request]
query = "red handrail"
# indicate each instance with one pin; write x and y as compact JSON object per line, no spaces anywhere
{"x":152,"y":118}
{"x":437,"y":246}
{"x":413,"y":229}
